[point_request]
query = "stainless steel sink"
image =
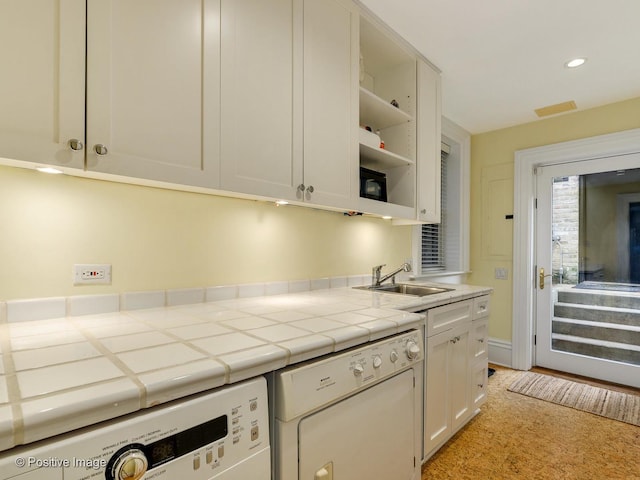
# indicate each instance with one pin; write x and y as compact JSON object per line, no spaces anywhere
{"x":406,"y":289}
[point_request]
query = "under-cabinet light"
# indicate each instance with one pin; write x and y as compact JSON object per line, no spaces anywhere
{"x":279,"y":203}
{"x":386,"y":217}
{"x":576,"y":62}
{"x":49,"y":170}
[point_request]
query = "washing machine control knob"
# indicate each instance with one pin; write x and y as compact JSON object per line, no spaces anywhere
{"x":358,"y":369}
{"x":412,"y":350}
{"x":130,"y":465}
{"x":377,"y":361}
{"x":393,"y":356}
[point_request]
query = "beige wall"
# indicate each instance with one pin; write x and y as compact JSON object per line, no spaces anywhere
{"x":492,"y":159}
{"x":159,"y":239}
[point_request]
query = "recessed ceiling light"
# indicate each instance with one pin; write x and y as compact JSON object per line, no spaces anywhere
{"x":576,"y":62}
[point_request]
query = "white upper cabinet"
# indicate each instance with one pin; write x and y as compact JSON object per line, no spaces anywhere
{"x":42,"y":53}
{"x":429,"y":128}
{"x":153,"y":89}
{"x":330,"y":96}
{"x":257,"y":142}
{"x":388,"y":109}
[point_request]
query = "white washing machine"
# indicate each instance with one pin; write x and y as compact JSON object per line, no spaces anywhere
{"x":222,"y":435}
{"x":354,"y":415}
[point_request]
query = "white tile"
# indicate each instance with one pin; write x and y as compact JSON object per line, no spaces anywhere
{"x":3,"y":313}
{"x":297,"y":286}
{"x":287,"y":316}
{"x":135,"y":341}
{"x":222,"y":315}
{"x":380,"y":328}
{"x":251,"y":290}
{"x":378,"y":312}
{"x":337,"y":282}
{"x":182,"y":380}
{"x":276,"y":288}
{"x":255,"y":361}
{"x":36,"y":309}
{"x":278,"y":333}
{"x":158,"y":357}
{"x":225,"y":292}
{"x":185,"y":296}
{"x":140,"y":300}
{"x":352,"y":318}
{"x":54,"y":414}
{"x":117,"y":329}
{"x":46,"y":380}
{"x":358,"y":280}
{"x":199,"y":330}
{"x":320,"y":283}
{"x":305,"y":348}
{"x":347,"y":337}
{"x":227,"y":343}
{"x":93,"y":304}
{"x":66,"y":333}
{"x":43,"y":357}
{"x":4,"y":396}
{"x":318,"y":324}
{"x":247,"y":323}
{"x":6,"y":427}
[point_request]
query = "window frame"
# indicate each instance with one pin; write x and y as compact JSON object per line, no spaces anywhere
{"x":459,"y":178}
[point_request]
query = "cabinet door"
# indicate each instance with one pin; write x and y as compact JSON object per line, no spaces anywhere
{"x":437,"y":421}
{"x":257,"y":98}
{"x":428,"y":157}
{"x":479,"y":381}
{"x":42,"y":51}
{"x":459,"y":375}
{"x":330,"y":118}
{"x":153,"y":89}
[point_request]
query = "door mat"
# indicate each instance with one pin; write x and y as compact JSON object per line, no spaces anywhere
{"x":619,"y":406}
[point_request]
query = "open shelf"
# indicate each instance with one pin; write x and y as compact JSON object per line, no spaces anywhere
{"x":381,"y":159}
{"x":378,"y":113}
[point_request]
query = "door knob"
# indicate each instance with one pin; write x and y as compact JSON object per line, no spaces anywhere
{"x":100,"y":149}
{"x":310,"y":189}
{"x":541,"y":277}
{"x":75,"y":144}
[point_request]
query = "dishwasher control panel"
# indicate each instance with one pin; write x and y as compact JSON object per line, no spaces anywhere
{"x":317,"y":383}
{"x":199,"y":438}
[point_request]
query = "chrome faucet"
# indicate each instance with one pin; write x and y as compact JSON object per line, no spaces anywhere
{"x":377,"y":280}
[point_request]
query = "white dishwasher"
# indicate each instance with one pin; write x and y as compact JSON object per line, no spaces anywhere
{"x":221,"y":435}
{"x":354,"y":415}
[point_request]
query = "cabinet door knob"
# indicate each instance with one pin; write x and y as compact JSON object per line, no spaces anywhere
{"x":310,"y":189}
{"x":76,"y":144}
{"x":301,"y":187}
{"x":423,"y":211}
{"x":100,"y":149}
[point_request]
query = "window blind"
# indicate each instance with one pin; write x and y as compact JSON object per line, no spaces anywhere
{"x":433,"y":235}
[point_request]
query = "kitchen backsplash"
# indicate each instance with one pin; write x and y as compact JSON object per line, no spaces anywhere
{"x":57,"y":307}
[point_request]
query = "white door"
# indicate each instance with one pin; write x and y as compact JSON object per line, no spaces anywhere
{"x":330,"y":87}
{"x":587,"y":314}
{"x":42,"y":56}
{"x":368,"y":436}
{"x":153,"y":88}
{"x":257,"y":99}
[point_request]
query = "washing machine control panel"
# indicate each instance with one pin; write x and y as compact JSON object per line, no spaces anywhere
{"x":314,"y":384}
{"x":212,"y":435}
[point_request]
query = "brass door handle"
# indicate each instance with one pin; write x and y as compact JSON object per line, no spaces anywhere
{"x":541,"y":276}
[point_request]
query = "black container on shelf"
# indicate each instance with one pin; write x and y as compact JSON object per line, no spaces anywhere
{"x":373,"y":184}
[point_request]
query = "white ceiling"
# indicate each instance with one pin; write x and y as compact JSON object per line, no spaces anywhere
{"x":501,"y":59}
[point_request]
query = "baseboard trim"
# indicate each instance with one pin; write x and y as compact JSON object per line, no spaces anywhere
{"x":500,"y":352}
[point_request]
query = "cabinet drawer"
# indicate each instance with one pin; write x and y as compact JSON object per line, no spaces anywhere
{"x":443,"y":318}
{"x":479,"y":338}
{"x":481,"y":307}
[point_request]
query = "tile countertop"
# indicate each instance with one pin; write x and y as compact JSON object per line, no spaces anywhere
{"x":65,"y":373}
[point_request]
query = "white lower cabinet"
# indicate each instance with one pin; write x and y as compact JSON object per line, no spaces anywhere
{"x":456,"y":369}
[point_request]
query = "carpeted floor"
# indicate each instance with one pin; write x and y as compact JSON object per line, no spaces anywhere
{"x":518,"y":437}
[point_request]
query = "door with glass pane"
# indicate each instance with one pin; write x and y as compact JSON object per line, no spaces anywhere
{"x":587,"y":259}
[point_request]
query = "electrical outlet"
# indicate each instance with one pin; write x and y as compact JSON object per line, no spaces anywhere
{"x":92,"y":274}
